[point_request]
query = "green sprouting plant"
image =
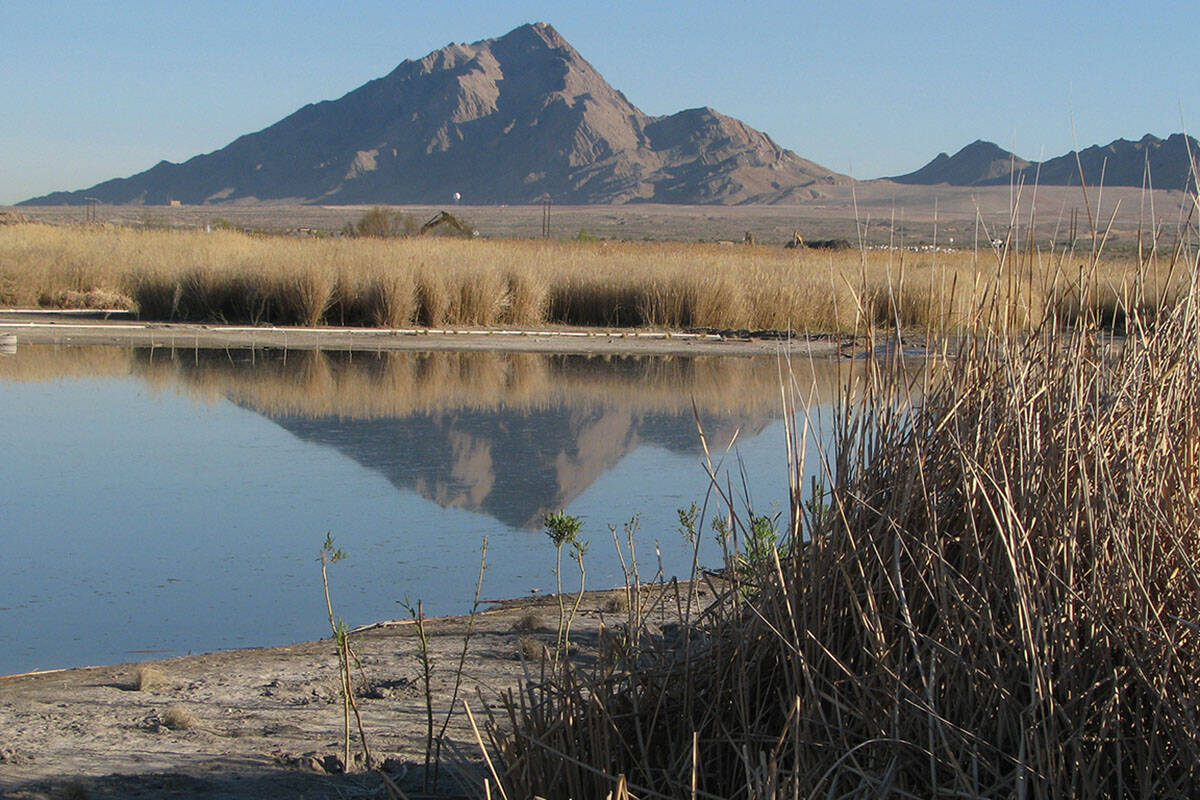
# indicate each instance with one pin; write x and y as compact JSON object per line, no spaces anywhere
{"x":722,"y":530}
{"x":688,"y":520}
{"x":578,"y":551}
{"x":425,"y":659}
{"x":762,"y":540}
{"x":637,"y":595}
{"x":332,"y":555}
{"x":462,"y":661}
{"x":561,"y":527}
{"x":817,"y":507}
{"x":563,"y":530}
{"x":433,"y":743}
{"x":749,"y":545}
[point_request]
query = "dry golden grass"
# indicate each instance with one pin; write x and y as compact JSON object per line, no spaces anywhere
{"x":178,"y":718}
{"x":92,"y":298}
{"x":149,"y":676}
{"x":990,"y":591}
{"x":235,"y":277}
{"x":529,"y":622}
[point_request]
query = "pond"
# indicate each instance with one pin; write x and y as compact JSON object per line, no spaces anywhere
{"x":160,"y":502}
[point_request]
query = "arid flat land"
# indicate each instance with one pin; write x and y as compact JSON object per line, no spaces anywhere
{"x":881,"y":211}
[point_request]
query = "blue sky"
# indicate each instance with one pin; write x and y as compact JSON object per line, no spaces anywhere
{"x":93,"y":90}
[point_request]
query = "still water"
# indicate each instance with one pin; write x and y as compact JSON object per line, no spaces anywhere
{"x":158,"y":502}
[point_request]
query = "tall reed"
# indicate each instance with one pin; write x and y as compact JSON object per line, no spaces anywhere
{"x":991,"y":590}
{"x":227,"y":276}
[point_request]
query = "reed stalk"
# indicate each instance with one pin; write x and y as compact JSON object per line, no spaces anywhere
{"x":233,"y":277}
{"x":989,"y":590}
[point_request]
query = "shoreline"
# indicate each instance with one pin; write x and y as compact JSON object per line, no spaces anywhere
{"x":37,"y":327}
{"x":267,"y":721}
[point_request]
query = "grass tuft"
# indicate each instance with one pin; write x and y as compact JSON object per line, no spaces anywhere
{"x":178,"y":718}
{"x":529,"y":622}
{"x":531,"y":648}
{"x":149,"y":676}
{"x":72,"y":790}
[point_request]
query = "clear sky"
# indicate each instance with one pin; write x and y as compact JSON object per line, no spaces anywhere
{"x":93,"y":90}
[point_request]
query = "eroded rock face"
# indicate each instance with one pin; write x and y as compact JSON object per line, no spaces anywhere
{"x":507,"y":120}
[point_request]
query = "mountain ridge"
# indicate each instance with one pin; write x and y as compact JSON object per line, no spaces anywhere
{"x":505,"y":120}
{"x":1169,"y":163}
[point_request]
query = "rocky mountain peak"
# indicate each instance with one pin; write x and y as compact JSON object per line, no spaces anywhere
{"x":505,"y":120}
{"x":978,"y":163}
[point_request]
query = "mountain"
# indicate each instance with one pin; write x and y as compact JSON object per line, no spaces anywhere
{"x":1119,"y":163}
{"x":507,"y":120}
{"x":976,"y":164}
{"x":1124,"y":163}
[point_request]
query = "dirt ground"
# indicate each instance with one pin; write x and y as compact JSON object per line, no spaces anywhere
{"x":879,"y":212}
{"x":267,"y":722}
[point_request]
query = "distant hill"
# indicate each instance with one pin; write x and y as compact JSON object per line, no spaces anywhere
{"x":507,"y":120}
{"x":1124,"y":163}
{"x":976,"y":164}
{"x":1119,"y":163}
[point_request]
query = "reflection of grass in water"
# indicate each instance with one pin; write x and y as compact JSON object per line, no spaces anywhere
{"x":367,"y":385}
{"x":398,"y":384}
{"x":50,"y":362}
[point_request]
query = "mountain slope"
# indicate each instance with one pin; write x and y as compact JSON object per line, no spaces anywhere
{"x":505,"y":120}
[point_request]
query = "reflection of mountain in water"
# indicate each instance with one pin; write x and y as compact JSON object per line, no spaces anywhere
{"x":507,"y":434}
{"x":510,"y":465}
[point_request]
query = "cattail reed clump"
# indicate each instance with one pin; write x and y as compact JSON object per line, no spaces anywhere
{"x":232,"y":277}
{"x":993,"y":592}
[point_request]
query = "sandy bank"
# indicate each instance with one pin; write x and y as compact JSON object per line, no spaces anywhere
{"x":35,"y":328}
{"x":265,"y":722}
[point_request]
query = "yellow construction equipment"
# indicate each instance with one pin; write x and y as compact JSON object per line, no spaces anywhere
{"x":446,"y":218}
